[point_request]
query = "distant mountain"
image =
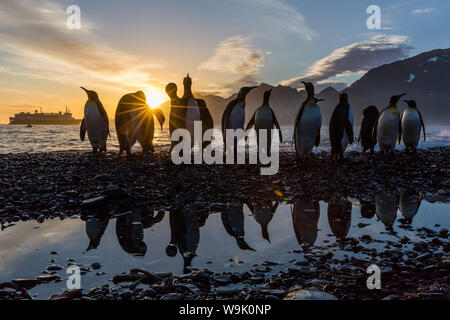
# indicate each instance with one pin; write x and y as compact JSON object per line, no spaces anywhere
{"x":425,"y":78}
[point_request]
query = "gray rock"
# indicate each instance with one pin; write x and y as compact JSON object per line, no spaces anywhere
{"x":310,"y":294}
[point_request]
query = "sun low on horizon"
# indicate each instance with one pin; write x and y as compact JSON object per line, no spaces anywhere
{"x":155,"y":97}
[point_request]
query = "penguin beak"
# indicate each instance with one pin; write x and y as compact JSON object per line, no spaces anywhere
{"x":86,"y":90}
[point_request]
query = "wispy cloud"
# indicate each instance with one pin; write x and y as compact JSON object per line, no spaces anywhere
{"x":356,"y":57}
{"x":38,"y":29}
{"x":235,"y":55}
{"x":285,"y":17}
{"x":422,"y":11}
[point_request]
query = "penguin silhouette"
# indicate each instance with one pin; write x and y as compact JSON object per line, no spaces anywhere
{"x":263,"y":214}
{"x":307,"y":124}
{"x":184,"y":235}
{"x":134,"y":122}
{"x":234,"y":116}
{"x":95,"y":122}
{"x":95,"y":228}
{"x":341,"y":127}
{"x":264,"y":119}
{"x":192,"y":110}
{"x":233,"y":221}
{"x":410,"y":201}
{"x":177,"y":111}
{"x":305,"y":217}
{"x":387,"y":206}
{"x":340,"y":218}
{"x":388,"y":129}
{"x":411,"y":123}
{"x":369,"y":119}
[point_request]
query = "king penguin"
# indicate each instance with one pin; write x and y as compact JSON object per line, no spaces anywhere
{"x":410,"y":201}
{"x":411,"y":124}
{"x":369,"y":119}
{"x":307,"y":124}
{"x":192,"y":112}
{"x":95,"y":122}
{"x":388,"y":129}
{"x":305,"y":219}
{"x":340,"y":218}
{"x":134,"y":122}
{"x":264,"y":119}
{"x":234,"y":115}
{"x":233,"y":221}
{"x":263,"y":214}
{"x":341,"y":127}
{"x":386,"y":205}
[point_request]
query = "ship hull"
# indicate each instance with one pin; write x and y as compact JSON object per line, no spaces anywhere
{"x":42,"y":122}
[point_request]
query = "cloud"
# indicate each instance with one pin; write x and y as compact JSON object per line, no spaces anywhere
{"x":235,"y":55}
{"x":356,"y":57}
{"x":38,"y":29}
{"x":285,"y":17}
{"x":421,"y":11}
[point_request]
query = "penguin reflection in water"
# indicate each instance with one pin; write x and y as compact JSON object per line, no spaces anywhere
{"x":305,"y":217}
{"x":233,"y":221}
{"x":341,"y":127}
{"x":388,"y":128}
{"x":184,"y":235}
{"x":130,"y":231}
{"x":264,"y":119}
{"x":95,"y":229}
{"x":387,"y":206}
{"x":410,"y":201}
{"x":411,"y":123}
{"x":134,"y":122}
{"x":263,"y":214}
{"x":95,"y":122}
{"x":369,"y":119}
{"x":340,"y":218}
{"x":307,"y":124}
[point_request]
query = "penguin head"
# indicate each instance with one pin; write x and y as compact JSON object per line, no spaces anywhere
{"x":92,"y":95}
{"x":309,"y":87}
{"x":395,"y":99}
{"x":187,"y":82}
{"x":140,"y":96}
{"x":159,"y":115}
{"x":370,"y":111}
{"x":171,"y":90}
{"x":411,"y":103}
{"x":244,"y":91}
{"x":343,"y":97}
{"x":171,"y":250}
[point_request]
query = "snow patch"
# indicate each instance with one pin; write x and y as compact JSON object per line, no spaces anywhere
{"x":434,"y":59}
{"x":411,"y":78}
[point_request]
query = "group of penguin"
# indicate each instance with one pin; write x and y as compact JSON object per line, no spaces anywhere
{"x":134,"y":122}
{"x":185,"y":223}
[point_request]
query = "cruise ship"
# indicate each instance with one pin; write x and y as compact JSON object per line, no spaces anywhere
{"x":41,"y":118}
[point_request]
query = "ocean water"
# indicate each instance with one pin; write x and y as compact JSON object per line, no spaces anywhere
{"x":20,"y":139}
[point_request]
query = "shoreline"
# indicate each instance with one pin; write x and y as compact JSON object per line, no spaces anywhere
{"x":42,"y":186}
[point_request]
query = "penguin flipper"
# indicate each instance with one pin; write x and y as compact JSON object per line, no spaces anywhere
{"x":297,"y":119}
{"x":399,"y":130}
{"x":359,"y":133}
{"x":349,"y":130}
{"x":82,"y":130}
{"x":104,"y":114}
{"x":251,"y":123}
{"x":277,"y":125}
{"x":422,"y":124}
{"x":375,"y":127}
{"x":317,"y":139}
{"x":225,"y":116}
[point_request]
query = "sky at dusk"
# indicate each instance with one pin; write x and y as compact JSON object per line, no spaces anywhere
{"x":125,"y":46}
